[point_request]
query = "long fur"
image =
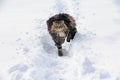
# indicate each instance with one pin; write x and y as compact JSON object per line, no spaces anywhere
{"x":67,"y":29}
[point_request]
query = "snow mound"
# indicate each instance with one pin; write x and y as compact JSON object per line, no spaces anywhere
{"x":92,"y":55}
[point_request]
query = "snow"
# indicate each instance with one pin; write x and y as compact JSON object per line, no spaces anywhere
{"x":27,"y":51}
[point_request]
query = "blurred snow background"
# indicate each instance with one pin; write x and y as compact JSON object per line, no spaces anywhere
{"x":27,"y":51}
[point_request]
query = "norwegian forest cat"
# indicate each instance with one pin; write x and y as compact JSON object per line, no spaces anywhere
{"x":60,"y":27}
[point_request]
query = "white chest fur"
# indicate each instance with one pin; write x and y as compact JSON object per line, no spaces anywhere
{"x":60,"y":33}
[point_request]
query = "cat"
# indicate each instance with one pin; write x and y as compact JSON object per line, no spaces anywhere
{"x":60,"y":27}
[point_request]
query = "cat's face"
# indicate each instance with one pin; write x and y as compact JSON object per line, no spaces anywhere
{"x":58,"y":24}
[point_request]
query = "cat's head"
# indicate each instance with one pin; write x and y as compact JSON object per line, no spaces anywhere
{"x":58,"y":24}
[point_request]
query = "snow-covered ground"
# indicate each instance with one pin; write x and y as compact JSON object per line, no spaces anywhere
{"x":27,"y":51}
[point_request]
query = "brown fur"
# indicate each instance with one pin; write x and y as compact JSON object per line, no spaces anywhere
{"x":61,"y":26}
